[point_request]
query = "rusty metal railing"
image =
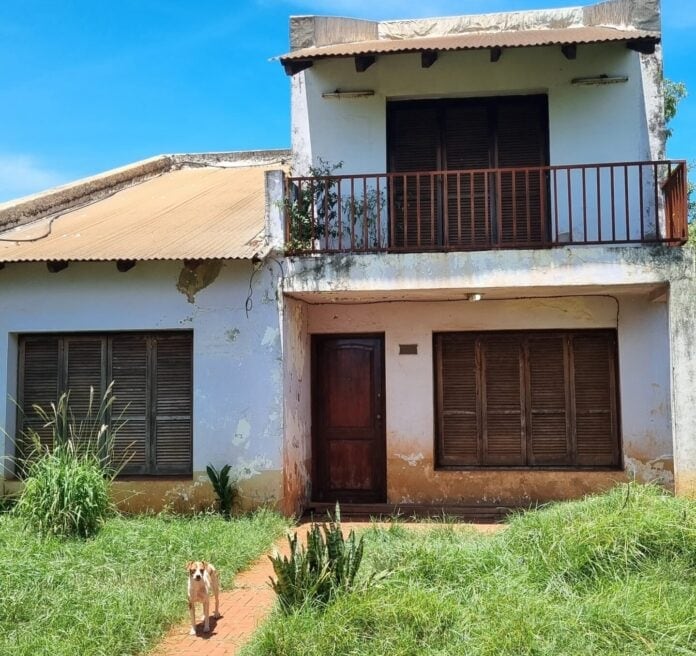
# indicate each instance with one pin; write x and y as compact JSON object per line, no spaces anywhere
{"x":534,"y":207}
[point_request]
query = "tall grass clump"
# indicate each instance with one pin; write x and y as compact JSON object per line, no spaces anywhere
{"x":604,"y":537}
{"x":66,"y":485}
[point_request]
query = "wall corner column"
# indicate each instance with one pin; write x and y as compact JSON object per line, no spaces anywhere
{"x":682,"y":333}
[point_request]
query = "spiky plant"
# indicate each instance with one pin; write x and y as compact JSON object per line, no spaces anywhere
{"x":315,"y":574}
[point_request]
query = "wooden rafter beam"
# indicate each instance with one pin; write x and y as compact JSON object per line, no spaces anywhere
{"x":642,"y":46}
{"x":496,"y":53}
{"x":363,"y":62}
{"x":56,"y":266}
{"x":428,"y":58}
{"x":294,"y":66}
{"x":125,"y":265}
{"x":659,"y":295}
{"x":569,"y":50}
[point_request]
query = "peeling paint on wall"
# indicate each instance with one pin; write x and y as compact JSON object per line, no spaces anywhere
{"x":242,"y":433}
{"x":658,"y":470}
{"x":270,"y":336}
{"x":412,"y":458}
{"x":245,"y":469}
{"x":197,"y":275}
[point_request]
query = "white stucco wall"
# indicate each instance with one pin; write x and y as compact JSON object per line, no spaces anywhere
{"x":587,"y":124}
{"x":237,"y":371}
{"x":644,"y":389}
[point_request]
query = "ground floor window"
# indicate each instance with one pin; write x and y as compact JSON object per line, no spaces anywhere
{"x":152,"y":374}
{"x":526,"y":399}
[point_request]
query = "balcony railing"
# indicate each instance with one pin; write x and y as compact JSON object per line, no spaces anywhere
{"x":483,"y":209}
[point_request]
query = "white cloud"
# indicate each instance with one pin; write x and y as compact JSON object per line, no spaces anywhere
{"x":24,"y":174}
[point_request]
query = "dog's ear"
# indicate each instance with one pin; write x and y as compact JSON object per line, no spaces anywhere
{"x":205,"y":564}
{"x":189,"y":565}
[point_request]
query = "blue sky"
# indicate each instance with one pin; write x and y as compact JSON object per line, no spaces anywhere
{"x":89,"y":85}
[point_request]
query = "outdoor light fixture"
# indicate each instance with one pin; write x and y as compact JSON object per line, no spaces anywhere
{"x":595,"y":80}
{"x":474,"y":297}
{"x":359,"y":93}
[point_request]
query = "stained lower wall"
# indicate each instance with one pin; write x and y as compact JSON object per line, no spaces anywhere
{"x":297,"y":412}
{"x":237,"y":404}
{"x":644,"y":391}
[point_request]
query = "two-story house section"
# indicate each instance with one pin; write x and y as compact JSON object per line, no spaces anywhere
{"x":486,"y":299}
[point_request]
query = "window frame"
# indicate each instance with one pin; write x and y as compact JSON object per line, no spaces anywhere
{"x":151,"y":469}
{"x":612,"y":335}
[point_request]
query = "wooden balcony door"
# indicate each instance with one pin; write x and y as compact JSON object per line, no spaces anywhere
{"x":476,"y":201}
{"x":349,"y":444}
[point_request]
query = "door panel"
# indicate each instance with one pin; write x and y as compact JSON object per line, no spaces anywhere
{"x":348,"y":428}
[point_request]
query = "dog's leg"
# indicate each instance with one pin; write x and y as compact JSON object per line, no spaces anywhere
{"x":192,"y":610}
{"x":216,"y":592}
{"x":206,"y":613}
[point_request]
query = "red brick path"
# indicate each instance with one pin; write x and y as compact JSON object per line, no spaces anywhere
{"x":244,"y":607}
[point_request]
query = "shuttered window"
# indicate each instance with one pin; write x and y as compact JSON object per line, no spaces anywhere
{"x":532,"y":399}
{"x":485,"y":203}
{"x":152,"y":374}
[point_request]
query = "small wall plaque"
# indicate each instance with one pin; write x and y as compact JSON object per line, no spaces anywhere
{"x":408,"y":349}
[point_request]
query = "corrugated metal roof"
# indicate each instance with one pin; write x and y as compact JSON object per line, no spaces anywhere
{"x":475,"y":40}
{"x":195,"y":213}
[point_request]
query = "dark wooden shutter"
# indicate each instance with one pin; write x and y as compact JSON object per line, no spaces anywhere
{"x":152,"y":376}
{"x":520,"y":142}
{"x":503,"y":426}
{"x":84,"y":376}
{"x":173,"y":398}
{"x":467,"y":144}
{"x":547,"y":360}
{"x":131,"y":406}
{"x":596,"y":430}
{"x":457,"y":371}
{"x":39,"y":367}
{"x":414,"y":147}
{"x":538,"y":399}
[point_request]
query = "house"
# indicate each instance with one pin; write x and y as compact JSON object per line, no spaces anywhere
{"x":150,"y":276}
{"x":466,"y":287}
{"x":487,"y":299}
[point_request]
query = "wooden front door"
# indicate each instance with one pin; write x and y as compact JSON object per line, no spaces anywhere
{"x":349,"y":461}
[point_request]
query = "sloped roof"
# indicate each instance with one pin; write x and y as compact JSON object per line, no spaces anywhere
{"x":203,"y":212}
{"x":474,"y":41}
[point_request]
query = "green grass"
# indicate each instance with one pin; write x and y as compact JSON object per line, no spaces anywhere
{"x":118,"y":592}
{"x":613,"y":575}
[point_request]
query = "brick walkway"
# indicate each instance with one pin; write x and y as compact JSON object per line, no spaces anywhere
{"x":244,"y":607}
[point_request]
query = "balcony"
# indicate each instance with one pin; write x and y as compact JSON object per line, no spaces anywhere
{"x":486,"y":209}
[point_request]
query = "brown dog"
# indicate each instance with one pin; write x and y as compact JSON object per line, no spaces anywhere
{"x":202,"y":580}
